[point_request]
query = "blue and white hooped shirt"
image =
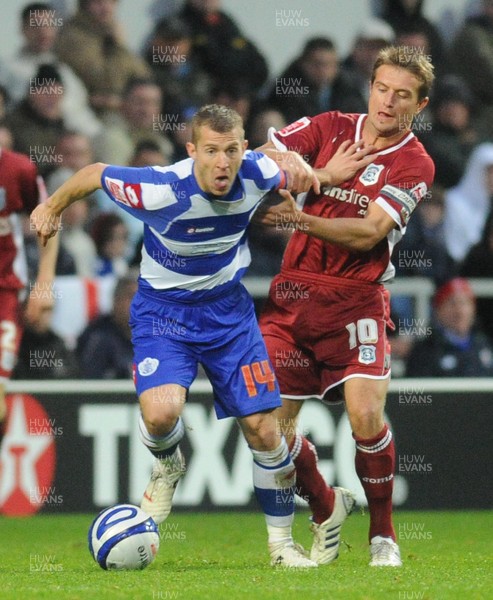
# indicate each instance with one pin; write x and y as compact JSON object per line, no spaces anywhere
{"x":195,"y":245}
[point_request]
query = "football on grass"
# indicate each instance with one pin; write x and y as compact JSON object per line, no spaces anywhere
{"x":123,"y":537}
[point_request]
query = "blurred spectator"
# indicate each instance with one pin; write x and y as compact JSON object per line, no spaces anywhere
{"x":184,"y":84}
{"x":453,"y":134}
{"x":400,"y":337}
{"x":259,"y":124}
{"x":479,"y":263}
{"x":406,"y":16}
{"x":148,"y":153}
{"x":7,"y":81}
{"x":40,"y":25}
{"x":236,"y":94}
{"x":75,"y":150}
{"x":110,"y":235}
{"x":181,"y":135}
{"x":313,"y":83}
{"x":140,"y":118}
{"x":417,"y":39}
{"x":92,"y":43}
{"x":105,"y":348}
{"x":76,"y":240}
{"x":37,"y":122}
{"x":224,"y":52}
{"x":422,"y":251}
{"x":4,"y":101}
{"x":6,"y":137}
{"x":471,"y":53}
{"x":468,"y":204}
{"x":43,"y":354}
{"x":375,"y":35}
{"x":454,"y":348}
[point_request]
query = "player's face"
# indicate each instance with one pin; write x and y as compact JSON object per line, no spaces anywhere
{"x":393,"y":102}
{"x":217,"y":158}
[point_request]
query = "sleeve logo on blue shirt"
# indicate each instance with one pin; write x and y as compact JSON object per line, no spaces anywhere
{"x":129,"y":194}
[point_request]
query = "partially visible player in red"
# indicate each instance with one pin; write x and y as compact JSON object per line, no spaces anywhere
{"x":328,"y":309}
{"x":21,"y":189}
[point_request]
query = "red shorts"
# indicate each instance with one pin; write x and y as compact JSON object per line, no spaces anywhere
{"x":10,"y":331}
{"x":320,"y":335}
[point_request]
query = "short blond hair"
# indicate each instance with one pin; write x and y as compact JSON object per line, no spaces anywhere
{"x":412,"y":60}
{"x":219,"y":118}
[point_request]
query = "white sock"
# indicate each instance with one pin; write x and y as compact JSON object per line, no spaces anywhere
{"x":274,"y":481}
{"x":165,"y":445}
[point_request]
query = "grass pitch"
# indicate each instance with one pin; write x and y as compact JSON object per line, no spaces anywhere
{"x":447,"y":555}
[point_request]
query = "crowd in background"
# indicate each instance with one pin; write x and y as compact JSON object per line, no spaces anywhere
{"x":74,"y":93}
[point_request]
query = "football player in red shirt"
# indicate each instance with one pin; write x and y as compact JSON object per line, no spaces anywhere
{"x":328,"y":309}
{"x":21,"y":189}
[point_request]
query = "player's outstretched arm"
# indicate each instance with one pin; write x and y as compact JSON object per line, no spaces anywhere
{"x":45,"y":218}
{"x":355,"y":234}
{"x":301,"y":177}
{"x":40,"y":300}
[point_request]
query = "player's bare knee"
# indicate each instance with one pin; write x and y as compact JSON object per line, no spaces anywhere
{"x":159,"y":423}
{"x":161,"y":407}
{"x":268,"y":439}
{"x":159,"y":418}
{"x":261,"y":431}
{"x":367,"y":421}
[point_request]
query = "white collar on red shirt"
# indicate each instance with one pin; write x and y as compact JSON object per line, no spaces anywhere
{"x":359,"y":128}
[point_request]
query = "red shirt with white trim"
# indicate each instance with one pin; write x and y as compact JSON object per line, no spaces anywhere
{"x":397,"y":180}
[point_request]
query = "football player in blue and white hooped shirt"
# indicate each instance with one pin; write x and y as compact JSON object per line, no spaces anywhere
{"x":191,"y":308}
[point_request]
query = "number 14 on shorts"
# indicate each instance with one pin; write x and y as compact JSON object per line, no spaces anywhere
{"x":258,"y":373}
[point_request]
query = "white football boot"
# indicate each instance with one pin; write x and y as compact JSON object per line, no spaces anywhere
{"x":384,"y":552}
{"x":159,"y":492}
{"x":327,"y":535}
{"x":289,"y":555}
